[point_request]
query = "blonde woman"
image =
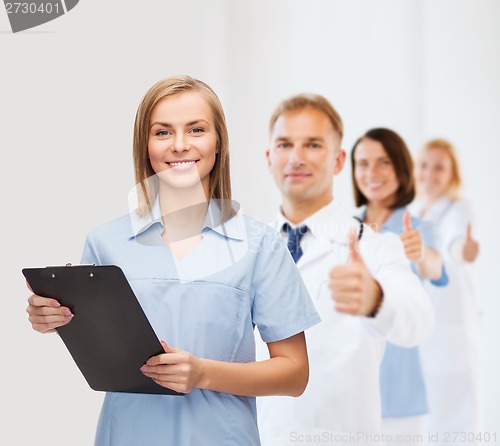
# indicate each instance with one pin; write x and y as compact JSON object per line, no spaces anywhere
{"x":451,"y":358}
{"x":204,"y":275}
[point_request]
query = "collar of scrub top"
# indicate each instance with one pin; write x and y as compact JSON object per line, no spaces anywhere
{"x":321,"y":225}
{"x":234,"y":228}
{"x":395,"y":221}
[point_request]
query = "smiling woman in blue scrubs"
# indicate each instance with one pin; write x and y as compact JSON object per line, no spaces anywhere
{"x":382,"y":177}
{"x":205,"y":275}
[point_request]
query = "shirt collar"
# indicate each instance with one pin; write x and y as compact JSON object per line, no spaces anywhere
{"x":233,"y":228}
{"x":393,"y":224}
{"x":329,"y":222}
{"x":395,"y":221}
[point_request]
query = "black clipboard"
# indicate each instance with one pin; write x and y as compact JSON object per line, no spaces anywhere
{"x":110,"y":337}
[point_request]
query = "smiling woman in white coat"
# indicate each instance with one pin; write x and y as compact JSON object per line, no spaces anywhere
{"x":450,"y":359}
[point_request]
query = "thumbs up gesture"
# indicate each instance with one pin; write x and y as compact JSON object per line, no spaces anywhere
{"x":354,"y":290}
{"x":412,"y":240}
{"x":470,"y":249}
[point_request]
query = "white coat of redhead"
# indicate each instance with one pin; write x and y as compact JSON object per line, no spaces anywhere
{"x":451,"y":358}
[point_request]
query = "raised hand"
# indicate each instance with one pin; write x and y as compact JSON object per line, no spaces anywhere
{"x":354,"y":290}
{"x":412,"y":240}
{"x":470,"y":249}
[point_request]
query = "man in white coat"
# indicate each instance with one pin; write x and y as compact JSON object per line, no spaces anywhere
{"x":360,"y":281}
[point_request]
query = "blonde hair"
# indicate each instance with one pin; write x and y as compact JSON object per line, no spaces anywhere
{"x":220,"y":181}
{"x":304,"y":101}
{"x":447,"y":147}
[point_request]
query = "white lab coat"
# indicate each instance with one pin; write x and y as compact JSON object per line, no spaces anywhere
{"x":450,"y":359}
{"x":342,"y":398}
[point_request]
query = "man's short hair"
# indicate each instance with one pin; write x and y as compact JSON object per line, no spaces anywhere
{"x":304,"y":101}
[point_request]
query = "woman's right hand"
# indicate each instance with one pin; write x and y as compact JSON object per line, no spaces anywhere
{"x":470,"y":248}
{"x":47,"y":314}
{"x":412,"y":240}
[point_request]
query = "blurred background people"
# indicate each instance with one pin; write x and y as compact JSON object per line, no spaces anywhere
{"x":383,"y":184}
{"x":451,"y":358}
{"x":360,"y":282}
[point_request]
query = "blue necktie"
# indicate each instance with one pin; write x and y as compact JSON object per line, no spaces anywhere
{"x":294,"y":237}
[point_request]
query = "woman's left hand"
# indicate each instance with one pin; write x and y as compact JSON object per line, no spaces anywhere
{"x":175,"y":369}
{"x":412,"y":240}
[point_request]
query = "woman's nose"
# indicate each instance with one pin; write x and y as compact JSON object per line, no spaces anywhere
{"x":372,"y":169}
{"x":179,"y":144}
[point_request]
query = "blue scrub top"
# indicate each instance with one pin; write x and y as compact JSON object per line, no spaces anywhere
{"x":240,"y":275}
{"x":402,"y":385}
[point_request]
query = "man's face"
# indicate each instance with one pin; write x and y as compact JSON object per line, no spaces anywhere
{"x":304,"y":156}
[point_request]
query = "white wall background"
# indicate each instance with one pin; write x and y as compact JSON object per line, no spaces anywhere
{"x":68,"y":95}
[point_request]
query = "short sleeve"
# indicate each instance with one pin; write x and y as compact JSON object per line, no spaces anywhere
{"x":90,"y":255}
{"x":281,"y":306}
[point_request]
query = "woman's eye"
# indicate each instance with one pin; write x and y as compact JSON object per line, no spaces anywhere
{"x":162,"y":133}
{"x":197,"y":130}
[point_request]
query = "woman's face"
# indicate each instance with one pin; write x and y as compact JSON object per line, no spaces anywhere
{"x":374,"y":173}
{"x":434,"y":173}
{"x":182,"y":142}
